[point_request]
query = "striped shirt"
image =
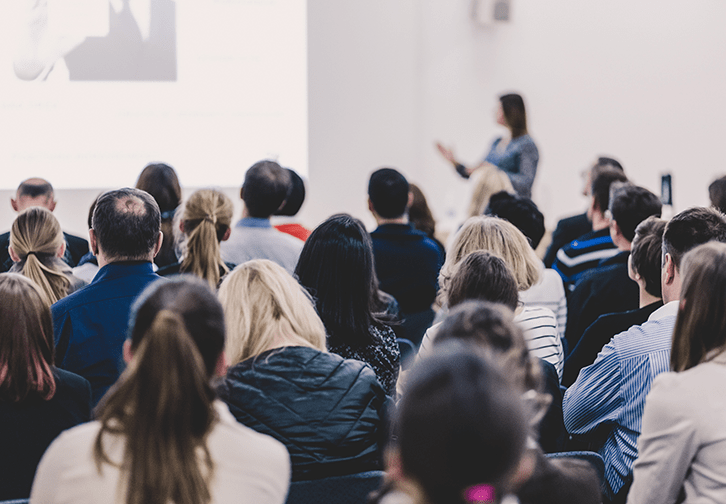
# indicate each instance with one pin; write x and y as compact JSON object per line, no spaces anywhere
{"x":540,"y":333}
{"x":548,"y":293}
{"x":612,"y":390}
{"x":582,"y":254}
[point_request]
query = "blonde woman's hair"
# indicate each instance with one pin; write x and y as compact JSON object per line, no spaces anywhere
{"x":488,"y":180}
{"x":264,"y":308}
{"x":36,"y":237}
{"x":207,"y":216}
{"x":499,"y":237}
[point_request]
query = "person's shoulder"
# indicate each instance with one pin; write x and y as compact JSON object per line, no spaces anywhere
{"x":648,"y":338}
{"x":232,"y":431}
{"x":70,"y":380}
{"x":534,"y":312}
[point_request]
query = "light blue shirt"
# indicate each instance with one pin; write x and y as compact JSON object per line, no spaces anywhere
{"x":612,"y":391}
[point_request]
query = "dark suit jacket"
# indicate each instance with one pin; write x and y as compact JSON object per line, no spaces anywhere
{"x":567,"y":229}
{"x":76,"y":248}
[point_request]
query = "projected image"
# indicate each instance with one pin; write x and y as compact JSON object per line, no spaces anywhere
{"x":97,"y":40}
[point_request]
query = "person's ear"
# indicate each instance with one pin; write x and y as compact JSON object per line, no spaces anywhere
{"x":181,"y":226}
{"x":410,"y":199}
{"x":14,"y":204}
{"x":227,"y":234}
{"x":370,"y":206}
{"x":61,"y":250}
{"x":242,"y":193}
{"x":158,"y":243}
{"x":15,"y":257}
{"x":669,"y":270}
{"x":93,"y":241}
{"x":128,"y":354}
{"x":220,"y":368}
{"x":51,"y":205}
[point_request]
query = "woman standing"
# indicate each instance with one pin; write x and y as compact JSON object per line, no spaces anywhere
{"x":514,"y":154}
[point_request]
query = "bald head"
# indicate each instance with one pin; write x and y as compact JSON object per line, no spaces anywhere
{"x":34,"y":192}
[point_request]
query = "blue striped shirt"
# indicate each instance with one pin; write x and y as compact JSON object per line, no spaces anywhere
{"x":612,"y":390}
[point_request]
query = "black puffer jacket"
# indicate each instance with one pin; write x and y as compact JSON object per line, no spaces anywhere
{"x":328,"y":411}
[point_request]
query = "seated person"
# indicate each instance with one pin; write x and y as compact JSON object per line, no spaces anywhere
{"x":284,"y":219}
{"x":327,"y":410}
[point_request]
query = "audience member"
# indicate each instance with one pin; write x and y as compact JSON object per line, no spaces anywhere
{"x":284,"y":219}
{"x":36,"y":246}
{"x":160,"y":180}
{"x":608,"y":288}
{"x":205,"y":223}
{"x":87,"y":266}
{"x":90,"y":325}
{"x":160,"y":436}
{"x":407,"y":261}
{"x":588,"y":250}
{"x":644,"y":268}
{"x":37,"y":400}
{"x":327,"y":410}
{"x":336,"y":268}
{"x":491,"y":328}
{"x":606,"y":401}
{"x":420,"y":216}
{"x":717,"y":194}
{"x":38,"y":192}
{"x":264,"y":191}
{"x":683,"y":439}
{"x":503,"y":239}
{"x":549,"y":292}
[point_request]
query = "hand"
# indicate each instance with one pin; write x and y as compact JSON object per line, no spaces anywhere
{"x":447,"y":153}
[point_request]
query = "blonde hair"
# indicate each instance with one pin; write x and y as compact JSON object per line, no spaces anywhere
{"x":263,"y":307}
{"x":207,"y":216}
{"x":488,"y":180}
{"x":36,"y":237}
{"x":499,"y":237}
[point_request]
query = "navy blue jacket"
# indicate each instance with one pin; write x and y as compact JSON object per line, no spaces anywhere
{"x":328,"y":411}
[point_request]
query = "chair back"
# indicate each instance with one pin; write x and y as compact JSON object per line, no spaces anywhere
{"x":349,"y":489}
{"x":593,"y":458}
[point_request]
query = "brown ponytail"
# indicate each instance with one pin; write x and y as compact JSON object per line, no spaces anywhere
{"x":163,"y":407}
{"x":207,"y":217}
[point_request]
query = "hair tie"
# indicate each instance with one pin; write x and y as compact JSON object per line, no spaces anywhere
{"x":168,"y":215}
{"x":210,"y":218}
{"x":479,"y":494}
{"x":32,"y":252}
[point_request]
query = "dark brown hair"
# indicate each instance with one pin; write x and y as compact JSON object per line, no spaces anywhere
{"x":690,"y":228}
{"x":161,"y":181}
{"x":514,"y":114}
{"x":26,"y":341}
{"x":419,"y":213}
{"x":717,"y":194}
{"x":646,"y":253}
{"x":700,"y":331}
{"x":163,"y":403}
{"x":601,"y":183}
{"x":483,"y":276}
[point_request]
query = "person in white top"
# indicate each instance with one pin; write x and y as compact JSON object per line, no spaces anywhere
{"x":682,"y":447}
{"x":503,"y":239}
{"x":160,"y":435}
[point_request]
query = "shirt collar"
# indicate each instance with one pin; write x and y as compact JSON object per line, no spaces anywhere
{"x":667,"y":310}
{"x":254,"y":222}
{"x":123,"y":268}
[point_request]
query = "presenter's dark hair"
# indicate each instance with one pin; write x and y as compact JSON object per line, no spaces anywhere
{"x":295,"y":197}
{"x":601,"y":183}
{"x":514,"y":113}
{"x":163,"y":404}
{"x":388,"y":192}
{"x":126,"y":223}
{"x":265,"y":188}
{"x":691,"y":228}
{"x":630,"y":205}
{"x":336,"y":268}
{"x":26,"y":341}
{"x":520,"y":211}
{"x":646,"y":253}
{"x":483,"y":276}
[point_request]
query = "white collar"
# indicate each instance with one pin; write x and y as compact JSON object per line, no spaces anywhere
{"x":666,"y":310}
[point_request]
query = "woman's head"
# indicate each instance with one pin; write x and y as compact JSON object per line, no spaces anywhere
{"x":336,"y":267}
{"x":419,"y":213}
{"x":461,"y":428}
{"x":498,"y":237}
{"x":266,"y":308}
{"x":700,"y":331}
{"x":35,"y":240}
{"x":646,"y":255}
{"x":205,"y":221}
{"x":160,"y":180}
{"x":26,"y":341}
{"x":515,"y":116}
{"x":483,"y":276}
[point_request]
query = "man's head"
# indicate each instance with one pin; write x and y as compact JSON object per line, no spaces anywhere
{"x":684,"y":232}
{"x":717,"y":194}
{"x":295,"y":197}
{"x":646,"y":259}
{"x":265,"y":189}
{"x":388,"y":193}
{"x":33,"y":192}
{"x":520,"y":211}
{"x":126,"y":226}
{"x":600,"y":192}
{"x":629,"y":206}
{"x":602,"y":163}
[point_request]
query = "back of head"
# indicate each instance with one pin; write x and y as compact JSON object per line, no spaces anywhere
{"x":606,"y":162}
{"x":486,"y":277}
{"x":295,"y":197}
{"x":700,"y":331}
{"x":514,"y":113}
{"x":600,"y":188}
{"x":646,"y":254}
{"x":26,"y":341}
{"x":461,"y":428}
{"x":126,"y":223}
{"x":36,"y":237}
{"x":499,"y":237}
{"x":717,"y":194}
{"x":520,"y":211}
{"x":690,"y":228}
{"x":176,"y":335}
{"x":34,"y":192}
{"x":630,"y":205}
{"x":336,"y":268}
{"x":206,"y":218}
{"x":388,"y":192}
{"x":161,"y":182}
{"x":266,"y":187}
{"x":419,"y":213}
{"x":265,"y":307}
